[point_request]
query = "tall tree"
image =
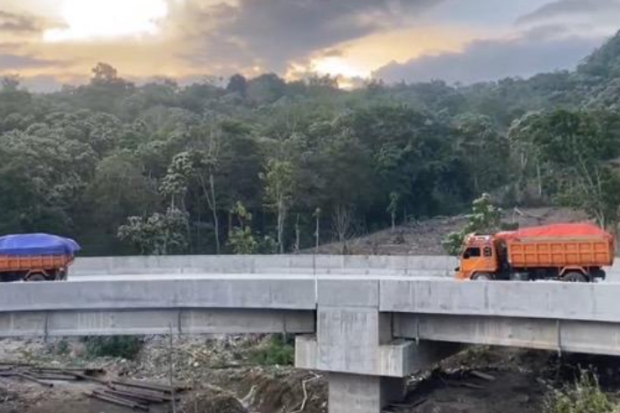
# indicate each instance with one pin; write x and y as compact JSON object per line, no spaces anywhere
{"x":581,"y":146}
{"x":237,"y":84}
{"x":279,"y":184}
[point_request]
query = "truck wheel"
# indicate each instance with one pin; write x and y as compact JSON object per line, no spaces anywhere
{"x":574,"y":277}
{"x":37,"y":277}
{"x":482,"y":276}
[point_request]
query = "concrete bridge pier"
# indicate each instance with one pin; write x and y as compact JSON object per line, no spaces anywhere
{"x":355,"y":344}
{"x":363,"y":394}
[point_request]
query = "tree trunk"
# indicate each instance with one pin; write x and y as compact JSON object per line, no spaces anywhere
{"x":539,"y":178}
{"x":393,"y":221}
{"x":216,"y":222}
{"x":209,"y":193}
{"x":317,"y":234}
{"x":342,"y":224}
{"x":297,"y":235}
{"x":317,"y":229}
{"x":281,"y":220}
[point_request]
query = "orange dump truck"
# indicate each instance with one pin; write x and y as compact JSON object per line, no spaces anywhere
{"x":568,"y":252}
{"x":35,"y":257}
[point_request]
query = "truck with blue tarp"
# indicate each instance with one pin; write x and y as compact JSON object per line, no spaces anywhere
{"x":36,"y":257}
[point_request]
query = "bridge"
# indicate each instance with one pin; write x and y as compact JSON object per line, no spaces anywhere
{"x":367,"y":321}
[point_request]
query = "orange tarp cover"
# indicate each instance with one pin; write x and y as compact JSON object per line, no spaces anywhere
{"x":557,"y":231}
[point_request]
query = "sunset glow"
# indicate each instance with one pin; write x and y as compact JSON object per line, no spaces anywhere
{"x":87,"y":20}
{"x":338,"y":66}
{"x":50,"y":42}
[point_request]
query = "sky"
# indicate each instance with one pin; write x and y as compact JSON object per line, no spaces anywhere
{"x":54,"y":42}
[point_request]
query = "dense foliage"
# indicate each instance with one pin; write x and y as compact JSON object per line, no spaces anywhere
{"x":264,"y":165}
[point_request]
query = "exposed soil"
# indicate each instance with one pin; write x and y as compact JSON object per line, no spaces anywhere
{"x":424,"y":237}
{"x":217,"y":369}
{"x":511,"y":392}
{"x":222,"y":381}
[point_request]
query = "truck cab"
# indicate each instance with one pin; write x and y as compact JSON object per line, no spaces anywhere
{"x":478,"y":258}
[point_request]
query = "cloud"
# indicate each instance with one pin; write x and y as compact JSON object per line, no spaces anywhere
{"x":572,"y":8}
{"x":18,"y":23}
{"x":543,"y":49}
{"x":12,"y":59}
{"x":333,"y":53}
{"x":9,"y":62}
{"x":273,"y":33}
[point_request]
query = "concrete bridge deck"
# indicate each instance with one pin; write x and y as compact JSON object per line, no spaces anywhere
{"x":368,"y":327}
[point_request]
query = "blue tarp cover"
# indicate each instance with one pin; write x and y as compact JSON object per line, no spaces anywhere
{"x":37,"y":244}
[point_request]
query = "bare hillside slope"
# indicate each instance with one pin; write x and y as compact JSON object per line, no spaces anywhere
{"x":424,"y":237}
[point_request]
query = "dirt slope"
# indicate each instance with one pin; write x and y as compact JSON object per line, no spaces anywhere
{"x":424,"y":237}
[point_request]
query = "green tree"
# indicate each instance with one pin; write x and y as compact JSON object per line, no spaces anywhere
{"x":484,"y":151}
{"x":176,"y":182}
{"x":279,"y":185}
{"x":158,"y":234}
{"x":581,"y":147}
{"x":485,"y":218}
{"x":237,"y":84}
{"x":118,"y":190}
{"x":241,"y":238}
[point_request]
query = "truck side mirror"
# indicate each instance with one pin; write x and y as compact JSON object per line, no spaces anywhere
{"x":466,"y":255}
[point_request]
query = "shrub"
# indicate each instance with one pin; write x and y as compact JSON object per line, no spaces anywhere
{"x":584,"y":396}
{"x":126,"y":347}
{"x":279,"y":350}
{"x":62,"y":348}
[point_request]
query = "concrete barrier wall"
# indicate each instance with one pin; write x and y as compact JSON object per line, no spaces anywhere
{"x":549,"y":300}
{"x":436,"y":266}
{"x":260,"y":264}
{"x":239,"y":292}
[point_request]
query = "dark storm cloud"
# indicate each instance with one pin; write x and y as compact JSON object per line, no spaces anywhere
{"x":17,"y":23}
{"x":275,"y":32}
{"x":568,"y":8}
{"x":534,"y":52}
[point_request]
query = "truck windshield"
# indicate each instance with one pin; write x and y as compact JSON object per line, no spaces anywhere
{"x":471,"y":252}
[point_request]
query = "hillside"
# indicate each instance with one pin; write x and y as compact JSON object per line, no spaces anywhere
{"x":424,"y":237}
{"x":162,"y":168}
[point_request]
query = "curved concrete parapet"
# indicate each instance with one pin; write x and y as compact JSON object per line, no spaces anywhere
{"x":263,"y":264}
{"x":241,"y":292}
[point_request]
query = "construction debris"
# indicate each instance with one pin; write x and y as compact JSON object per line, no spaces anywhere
{"x":136,"y":395}
{"x":44,"y":375}
{"x":117,"y":401}
{"x":482,"y":375}
{"x":149,"y":386}
{"x":28,"y":377}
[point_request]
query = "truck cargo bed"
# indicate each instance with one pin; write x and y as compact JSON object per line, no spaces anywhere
{"x":13,"y":263}
{"x":583,"y":252}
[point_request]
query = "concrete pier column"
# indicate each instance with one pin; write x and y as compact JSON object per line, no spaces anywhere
{"x":356,"y":345}
{"x":350,"y":393}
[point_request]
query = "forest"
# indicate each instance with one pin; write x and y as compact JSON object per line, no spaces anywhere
{"x":265,"y":165}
